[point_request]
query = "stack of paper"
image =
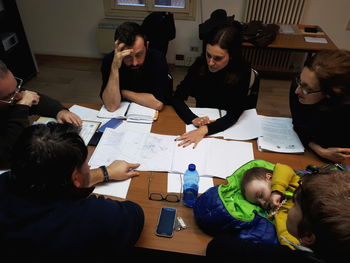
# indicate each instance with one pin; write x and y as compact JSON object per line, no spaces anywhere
{"x":278,"y":136}
{"x":130,"y":111}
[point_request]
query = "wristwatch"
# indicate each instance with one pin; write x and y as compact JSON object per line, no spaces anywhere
{"x":105,"y":174}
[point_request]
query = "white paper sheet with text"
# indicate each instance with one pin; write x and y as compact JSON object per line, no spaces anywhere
{"x":155,"y":152}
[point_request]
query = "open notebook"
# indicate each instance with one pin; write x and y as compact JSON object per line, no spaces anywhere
{"x":130,"y":111}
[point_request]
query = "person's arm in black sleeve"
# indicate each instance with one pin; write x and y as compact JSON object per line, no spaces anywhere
{"x":106,"y":70}
{"x":18,"y":120}
{"x":236,"y":108}
{"x":124,"y":223}
{"x":163,"y":89}
{"x":47,"y":107}
{"x":183,"y":91}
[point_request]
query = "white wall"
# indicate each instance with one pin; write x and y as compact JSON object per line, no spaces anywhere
{"x":62,"y":27}
{"x":68,"y":27}
{"x":332,"y":17}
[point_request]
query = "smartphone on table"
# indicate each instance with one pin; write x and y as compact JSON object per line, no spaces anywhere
{"x":166,"y":221}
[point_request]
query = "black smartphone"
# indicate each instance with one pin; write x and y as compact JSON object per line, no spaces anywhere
{"x":166,"y":221}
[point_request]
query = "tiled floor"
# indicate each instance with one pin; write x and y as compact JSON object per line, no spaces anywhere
{"x":78,"y":80}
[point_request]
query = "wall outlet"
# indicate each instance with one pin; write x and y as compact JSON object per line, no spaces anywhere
{"x":194,"y":49}
{"x":179,"y":60}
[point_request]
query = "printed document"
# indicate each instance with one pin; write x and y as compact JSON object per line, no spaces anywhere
{"x":278,"y":135}
{"x":155,"y":152}
{"x":131,"y":111}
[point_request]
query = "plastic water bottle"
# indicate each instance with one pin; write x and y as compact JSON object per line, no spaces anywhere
{"x":190,"y":187}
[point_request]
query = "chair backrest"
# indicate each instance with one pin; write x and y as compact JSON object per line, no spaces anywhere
{"x":253,"y":91}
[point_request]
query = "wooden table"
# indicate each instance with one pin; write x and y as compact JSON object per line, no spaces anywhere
{"x":191,"y":240}
{"x":296,"y":42}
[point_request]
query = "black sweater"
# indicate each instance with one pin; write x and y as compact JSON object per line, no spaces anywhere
{"x":319,"y":123}
{"x":211,"y":90}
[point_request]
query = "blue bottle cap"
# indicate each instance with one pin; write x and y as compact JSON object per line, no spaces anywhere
{"x":191,"y":167}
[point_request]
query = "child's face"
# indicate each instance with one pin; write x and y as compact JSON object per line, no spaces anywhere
{"x":259,"y":192}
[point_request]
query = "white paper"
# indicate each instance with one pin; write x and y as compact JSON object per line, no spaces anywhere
{"x":278,"y":135}
{"x":286,"y":29}
{"x":320,"y":40}
{"x":211,"y":113}
{"x":246,"y":128}
{"x":88,"y":130}
{"x":118,"y":189}
{"x":139,"y":112}
{"x":119,"y":113}
{"x":175,"y":182}
{"x":153,"y":151}
{"x":213,"y":157}
{"x":87,"y":114}
{"x":131,"y":111}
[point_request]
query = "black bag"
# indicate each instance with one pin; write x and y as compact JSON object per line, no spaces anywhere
{"x":259,"y":34}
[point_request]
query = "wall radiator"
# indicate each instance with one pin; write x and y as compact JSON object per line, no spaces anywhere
{"x":278,"y":12}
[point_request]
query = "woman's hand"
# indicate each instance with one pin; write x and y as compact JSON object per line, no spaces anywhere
{"x":192,"y":137}
{"x":334,"y":154}
{"x":200,"y":121}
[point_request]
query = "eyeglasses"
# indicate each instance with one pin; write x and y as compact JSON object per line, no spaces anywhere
{"x":173,"y":198}
{"x":305,"y":89}
{"x":13,"y":96}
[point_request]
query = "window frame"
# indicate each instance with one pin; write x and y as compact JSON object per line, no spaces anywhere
{"x":140,"y":12}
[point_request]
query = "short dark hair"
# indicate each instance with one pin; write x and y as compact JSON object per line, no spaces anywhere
{"x":255,"y":173}
{"x":3,"y":69}
{"x":127,"y":32}
{"x":44,"y":158}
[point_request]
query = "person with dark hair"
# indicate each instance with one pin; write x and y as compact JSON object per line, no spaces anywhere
{"x":319,"y":219}
{"x":320,"y":104}
{"x":47,"y":209}
{"x":218,"y":79}
{"x":133,"y":72}
{"x":17,"y":104}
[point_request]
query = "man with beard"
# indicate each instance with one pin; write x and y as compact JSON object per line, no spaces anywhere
{"x":133,"y":72}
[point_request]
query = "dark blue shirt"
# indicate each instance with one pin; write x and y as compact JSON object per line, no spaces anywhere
{"x":82,"y":227}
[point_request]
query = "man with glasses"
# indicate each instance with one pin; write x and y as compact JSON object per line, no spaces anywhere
{"x":16,"y":105}
{"x":320,"y":104}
